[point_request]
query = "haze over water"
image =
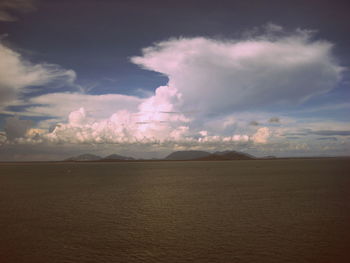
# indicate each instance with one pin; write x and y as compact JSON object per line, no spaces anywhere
{"x":239,"y":211}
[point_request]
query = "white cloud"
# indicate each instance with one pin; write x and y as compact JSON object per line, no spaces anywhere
{"x":261,"y":135}
{"x":152,"y":120}
{"x":218,"y":77}
{"x":60,"y":105}
{"x":149,"y":121}
{"x":17,"y":73}
{"x":77,"y":118}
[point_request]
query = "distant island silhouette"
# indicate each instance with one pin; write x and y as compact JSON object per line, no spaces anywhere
{"x":190,"y":155}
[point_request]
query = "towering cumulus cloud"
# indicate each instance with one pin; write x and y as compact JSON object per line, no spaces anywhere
{"x":218,"y":77}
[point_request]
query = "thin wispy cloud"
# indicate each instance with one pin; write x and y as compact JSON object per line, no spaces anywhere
{"x":17,"y":74}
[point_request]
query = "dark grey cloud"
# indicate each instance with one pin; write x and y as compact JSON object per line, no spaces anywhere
{"x":9,"y":7}
{"x":327,"y":139}
{"x":274,"y":120}
{"x":305,"y":132}
{"x":16,"y":128}
{"x":330,"y":133}
{"x":254,"y":123}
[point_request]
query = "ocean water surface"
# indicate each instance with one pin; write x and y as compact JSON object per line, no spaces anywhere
{"x":228,"y":211}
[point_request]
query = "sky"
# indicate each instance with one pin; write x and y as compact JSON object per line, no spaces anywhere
{"x":145,"y":78}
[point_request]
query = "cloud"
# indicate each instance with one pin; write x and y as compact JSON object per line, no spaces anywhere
{"x":77,"y":118}
{"x":8,"y":7}
{"x":254,"y":123}
{"x":309,"y":131}
{"x":327,"y":139}
{"x":261,"y":135}
{"x":273,"y":28}
{"x":292,"y":137}
{"x":16,"y":128}
{"x":274,"y":120}
{"x":60,"y":105}
{"x":154,"y":120}
{"x":216,"y":76}
{"x":148,"y":121}
{"x":121,"y":133}
{"x":330,"y":133}
{"x":327,"y":107}
{"x":17,"y":74}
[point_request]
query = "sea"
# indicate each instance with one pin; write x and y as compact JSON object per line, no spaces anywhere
{"x":276,"y":211}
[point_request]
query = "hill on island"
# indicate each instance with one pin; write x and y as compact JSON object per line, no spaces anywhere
{"x":114,"y":157}
{"x":227,"y":155}
{"x":207,"y":156}
{"x":84,"y":157}
{"x":187,"y":155}
{"x":91,"y":157}
{"x":175,"y":156}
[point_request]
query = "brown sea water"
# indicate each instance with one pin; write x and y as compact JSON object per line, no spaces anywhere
{"x":231,"y":211}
